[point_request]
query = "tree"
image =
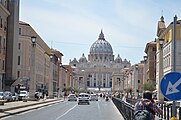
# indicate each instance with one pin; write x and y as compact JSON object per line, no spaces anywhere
{"x":149,"y":86}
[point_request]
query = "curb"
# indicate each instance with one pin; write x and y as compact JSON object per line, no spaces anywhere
{"x":42,"y":104}
{"x":12,"y":108}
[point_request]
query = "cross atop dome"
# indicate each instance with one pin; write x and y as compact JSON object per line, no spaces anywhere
{"x":101,"y":36}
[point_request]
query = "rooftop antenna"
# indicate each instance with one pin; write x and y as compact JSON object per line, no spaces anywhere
{"x":52,"y":44}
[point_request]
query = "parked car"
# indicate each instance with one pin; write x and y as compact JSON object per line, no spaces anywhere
{"x":8,"y":96}
{"x":15,"y":96}
{"x":72,"y":97}
{"x":83,"y":98}
{"x":23,"y":95}
{"x":1,"y":95}
{"x":93,"y":97}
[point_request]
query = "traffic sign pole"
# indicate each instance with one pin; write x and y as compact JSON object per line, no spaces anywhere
{"x":174,"y":47}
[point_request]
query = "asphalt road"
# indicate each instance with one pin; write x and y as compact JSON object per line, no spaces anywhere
{"x":97,"y":110}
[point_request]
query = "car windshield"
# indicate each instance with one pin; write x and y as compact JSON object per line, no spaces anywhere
{"x":1,"y":93}
{"x":22,"y":92}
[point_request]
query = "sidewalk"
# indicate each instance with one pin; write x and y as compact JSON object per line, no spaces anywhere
{"x":11,"y":108}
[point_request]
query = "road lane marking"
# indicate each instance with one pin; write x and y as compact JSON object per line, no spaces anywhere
{"x":98,"y":106}
{"x":66,"y":112}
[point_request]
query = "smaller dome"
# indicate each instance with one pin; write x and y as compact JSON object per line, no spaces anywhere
{"x":74,"y":62}
{"x":118,"y":59}
{"x":83,"y":58}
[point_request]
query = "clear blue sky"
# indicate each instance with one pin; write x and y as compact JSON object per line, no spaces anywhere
{"x":72,"y":26}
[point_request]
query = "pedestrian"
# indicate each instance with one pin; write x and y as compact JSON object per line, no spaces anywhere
{"x":37,"y":96}
{"x":124,"y":98}
{"x":44,"y":95}
{"x":146,"y":108}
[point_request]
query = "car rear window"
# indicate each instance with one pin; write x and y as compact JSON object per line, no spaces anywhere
{"x":83,"y":95}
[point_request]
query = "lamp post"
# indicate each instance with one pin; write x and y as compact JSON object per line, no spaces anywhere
{"x":44,"y":81}
{"x":61,"y":79}
{"x":32,"y":69}
{"x":131,"y":81}
{"x":83,"y":71}
{"x":136,"y":80}
{"x":145,"y":69}
{"x":50,"y":83}
{"x":160,"y":96}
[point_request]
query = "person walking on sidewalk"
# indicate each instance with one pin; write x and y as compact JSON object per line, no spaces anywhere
{"x":37,"y":95}
{"x":146,"y":106}
{"x":44,"y":95}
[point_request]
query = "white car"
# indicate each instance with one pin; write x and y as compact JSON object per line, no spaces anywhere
{"x":1,"y":95}
{"x":84,"y":98}
{"x":93,"y":97}
{"x":72,"y":97}
{"x":23,"y":95}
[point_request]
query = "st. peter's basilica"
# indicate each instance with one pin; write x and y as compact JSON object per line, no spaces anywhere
{"x":96,"y":72}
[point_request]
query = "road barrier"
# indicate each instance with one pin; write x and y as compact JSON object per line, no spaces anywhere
{"x":127,"y":109}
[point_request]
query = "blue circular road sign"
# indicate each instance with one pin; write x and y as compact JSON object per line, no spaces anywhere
{"x":170,"y":86}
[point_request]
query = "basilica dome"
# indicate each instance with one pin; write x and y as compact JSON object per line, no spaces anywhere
{"x":101,"y":46}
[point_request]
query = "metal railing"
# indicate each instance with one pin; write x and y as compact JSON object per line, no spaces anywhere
{"x":127,"y":109}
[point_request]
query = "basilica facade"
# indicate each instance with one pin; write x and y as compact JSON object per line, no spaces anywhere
{"x":96,"y":72}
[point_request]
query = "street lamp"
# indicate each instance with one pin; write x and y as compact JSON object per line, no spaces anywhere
{"x":161,"y":41}
{"x":145,"y":58}
{"x":136,"y":66}
{"x":51,"y":57}
{"x":33,"y":40}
